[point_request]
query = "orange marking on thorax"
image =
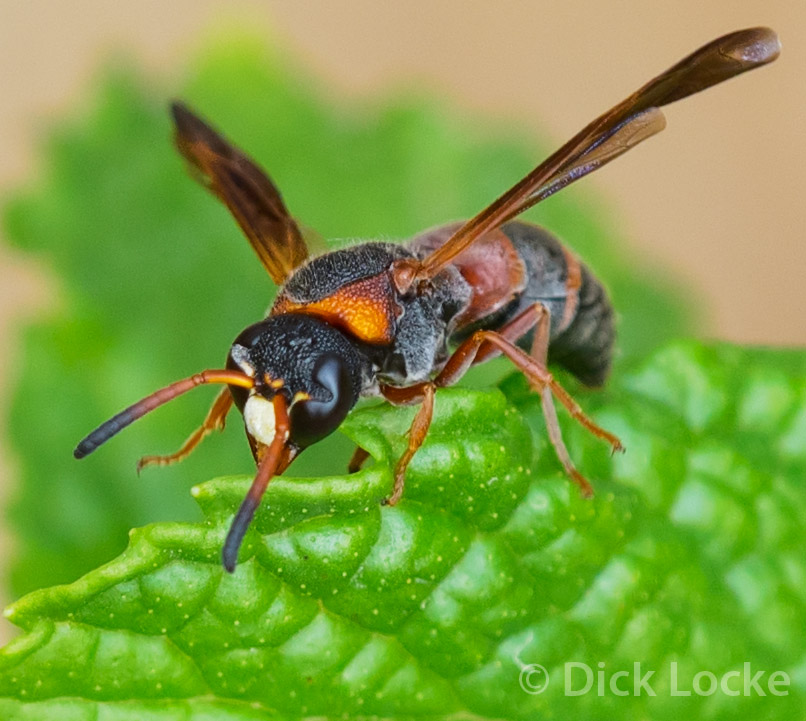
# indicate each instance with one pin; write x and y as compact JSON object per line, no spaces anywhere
{"x":365,"y":309}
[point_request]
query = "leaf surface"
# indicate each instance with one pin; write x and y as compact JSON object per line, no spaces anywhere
{"x":691,"y":553}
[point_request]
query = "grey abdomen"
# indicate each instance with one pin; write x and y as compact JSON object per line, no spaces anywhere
{"x":585,"y":347}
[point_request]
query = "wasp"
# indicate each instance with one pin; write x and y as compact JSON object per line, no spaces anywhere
{"x":400,"y":321}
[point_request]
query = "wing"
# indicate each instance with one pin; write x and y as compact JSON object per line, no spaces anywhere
{"x":621,"y":128}
{"x":245,"y":189}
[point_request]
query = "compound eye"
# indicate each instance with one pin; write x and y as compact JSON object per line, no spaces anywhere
{"x":312,"y":420}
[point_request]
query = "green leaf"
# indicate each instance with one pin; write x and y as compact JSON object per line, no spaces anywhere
{"x":691,"y":553}
{"x":155,"y":280}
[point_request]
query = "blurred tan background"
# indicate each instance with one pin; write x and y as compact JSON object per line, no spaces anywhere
{"x":718,"y":197}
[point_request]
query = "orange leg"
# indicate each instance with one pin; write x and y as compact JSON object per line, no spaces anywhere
{"x":535,"y":316}
{"x":485,"y":344}
{"x":417,"y":433}
{"x":215,"y":420}
{"x":533,"y":366}
{"x":482,"y":346}
{"x":424,"y":392}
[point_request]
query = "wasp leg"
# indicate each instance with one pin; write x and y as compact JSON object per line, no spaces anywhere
{"x":535,"y":316}
{"x":359,"y":457}
{"x":422,"y":393}
{"x":215,"y":420}
{"x":482,"y":346}
{"x":485,"y":344}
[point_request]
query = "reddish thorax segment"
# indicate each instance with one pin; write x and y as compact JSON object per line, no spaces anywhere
{"x":365,"y":309}
{"x":492,"y":267}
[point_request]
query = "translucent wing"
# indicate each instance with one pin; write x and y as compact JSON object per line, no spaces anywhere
{"x":623,"y":138}
{"x":245,"y":189}
{"x":615,"y":132}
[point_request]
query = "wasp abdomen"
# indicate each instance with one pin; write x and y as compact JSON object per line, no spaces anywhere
{"x":583,"y":343}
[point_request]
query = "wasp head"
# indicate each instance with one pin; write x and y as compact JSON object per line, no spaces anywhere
{"x":294,"y":378}
{"x":306,"y":377}
{"x":308,"y":362}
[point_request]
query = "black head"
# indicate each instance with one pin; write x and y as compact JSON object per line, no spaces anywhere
{"x":293,"y":377}
{"x":310,"y":363}
{"x":306,"y":377}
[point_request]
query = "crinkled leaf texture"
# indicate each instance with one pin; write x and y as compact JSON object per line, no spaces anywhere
{"x":156,"y":279}
{"x":692,"y":551}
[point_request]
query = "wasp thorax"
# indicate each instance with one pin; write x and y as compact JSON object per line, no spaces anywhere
{"x":258,"y":414}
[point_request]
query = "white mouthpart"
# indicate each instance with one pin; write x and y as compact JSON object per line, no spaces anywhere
{"x":258,"y":414}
